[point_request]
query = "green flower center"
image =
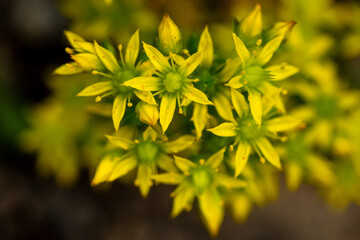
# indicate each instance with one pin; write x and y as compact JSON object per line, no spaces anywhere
{"x":248,"y":129}
{"x":326,"y":106}
{"x":201,"y":178}
{"x":173,"y":82}
{"x":122,"y":77}
{"x":254,"y":76}
{"x":147,"y":152}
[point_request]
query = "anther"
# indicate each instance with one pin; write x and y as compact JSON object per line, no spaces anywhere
{"x":181,"y":111}
{"x":136,"y":141}
{"x":262,"y":160}
{"x":69,"y":50}
{"x":284,"y":92}
{"x":129,"y":104}
{"x":231,"y":148}
{"x":283,"y":139}
{"x":202,"y":161}
{"x":258,"y":42}
{"x":98,"y":99}
{"x":95,"y":72}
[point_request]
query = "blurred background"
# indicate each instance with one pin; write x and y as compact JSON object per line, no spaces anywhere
{"x":47,"y":195}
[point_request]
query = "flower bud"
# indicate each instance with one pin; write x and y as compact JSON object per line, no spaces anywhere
{"x":169,"y":36}
{"x":251,"y":25}
{"x":148,"y":113}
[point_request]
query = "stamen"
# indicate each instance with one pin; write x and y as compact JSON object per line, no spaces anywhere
{"x":69,"y":50}
{"x":99,"y":98}
{"x":231,"y":148}
{"x":258,"y":42}
{"x":94,"y":72}
{"x":120,"y":47}
{"x":202,"y":161}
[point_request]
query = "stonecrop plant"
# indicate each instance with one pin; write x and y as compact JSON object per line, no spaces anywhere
{"x":184,"y":116}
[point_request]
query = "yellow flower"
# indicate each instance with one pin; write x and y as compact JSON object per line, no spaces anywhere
{"x":250,"y":136}
{"x":146,"y":154}
{"x":254,"y":78}
{"x":100,"y":61}
{"x":171,"y":81}
{"x":202,"y":180}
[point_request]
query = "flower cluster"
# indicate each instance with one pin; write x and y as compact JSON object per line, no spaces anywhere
{"x":179,"y":92}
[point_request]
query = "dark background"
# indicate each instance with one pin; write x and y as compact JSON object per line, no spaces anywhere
{"x":31,"y":45}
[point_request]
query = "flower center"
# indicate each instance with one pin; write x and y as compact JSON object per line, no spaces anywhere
{"x":173,"y":82}
{"x":201,"y":178}
{"x":248,"y":129}
{"x":254,"y":75}
{"x":147,"y":152}
{"x":122,"y":77}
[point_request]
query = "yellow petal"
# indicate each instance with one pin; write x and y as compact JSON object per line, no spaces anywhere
{"x":269,"y":152}
{"x":145,"y":96}
{"x":241,"y":49}
{"x":281,"y":29}
{"x":144,"y":83}
{"x":167,"y":163}
{"x":196,"y":95}
{"x":183,"y":199}
{"x":267,"y":52}
{"x":212,"y":210}
{"x":68,"y":69}
{"x":231,"y":66}
{"x":227,"y":129}
{"x":206,"y":47}
{"x":283,"y":123}
{"x":223,"y":106}
{"x":168,"y":178}
{"x":118,"y":110}
{"x":150,"y":133}
{"x":293,"y":176}
{"x":256,"y":106}
{"x":143,"y":179}
{"x":199,"y":118}
{"x":123,"y":167}
{"x":103,"y":170}
{"x":241,"y":157}
{"x":157,"y":59}
{"x":229,"y":182}
{"x":132,"y":50}
{"x":251,"y":25}
{"x":239,"y":103}
{"x":96,"y":89}
{"x":167,"y":109}
{"x":184,"y":164}
{"x":179,"y":60}
{"x":216,"y":159}
{"x":241,"y":206}
{"x":169,"y":35}
{"x":78,"y":43}
{"x":88,"y":61}
{"x":107,"y":58}
{"x":281,"y":71}
{"x":178,"y":144}
{"x":191,"y":63}
{"x":122,"y":142}
{"x":235,"y":82}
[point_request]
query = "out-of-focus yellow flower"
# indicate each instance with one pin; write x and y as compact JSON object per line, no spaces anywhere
{"x":202,"y":180}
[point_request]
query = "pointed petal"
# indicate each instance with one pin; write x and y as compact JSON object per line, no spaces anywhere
{"x":235,"y":82}
{"x":184,"y":164}
{"x":227,"y":129}
{"x":240,"y":206}
{"x":241,"y":157}
{"x":123,"y":167}
{"x":293,"y":174}
{"x":178,"y":144}
{"x":132,"y":50}
{"x":231,"y":65}
{"x":68,"y":69}
{"x":103,"y":170}
{"x":256,"y":106}
{"x":269,"y":152}
{"x":143,"y":179}
{"x":118,"y":110}
{"x":183,"y":199}
{"x":281,"y":71}
{"x":241,"y":49}
{"x":107,"y":58}
{"x":281,"y":29}
{"x":88,"y":61}
{"x":191,"y":63}
{"x":211,"y":208}
{"x":196,"y":95}
{"x":206,"y":47}
{"x":223,"y":106}
{"x":78,"y":43}
{"x":148,"y":113}
{"x":239,"y":103}
{"x":283,"y":123}
{"x":150,"y":133}
{"x":96,"y":89}
{"x":199,"y":118}
{"x":179,"y":60}
{"x":124,"y":143}
{"x":169,"y":35}
{"x":252,"y":24}
{"x":167,"y":163}
{"x":157,"y":59}
{"x":229,"y":182}
{"x":167,"y":109}
{"x":144,"y":83}
{"x":145,"y":96}
{"x":168,"y":178}
{"x":216,"y":159}
{"x":267,"y":52}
